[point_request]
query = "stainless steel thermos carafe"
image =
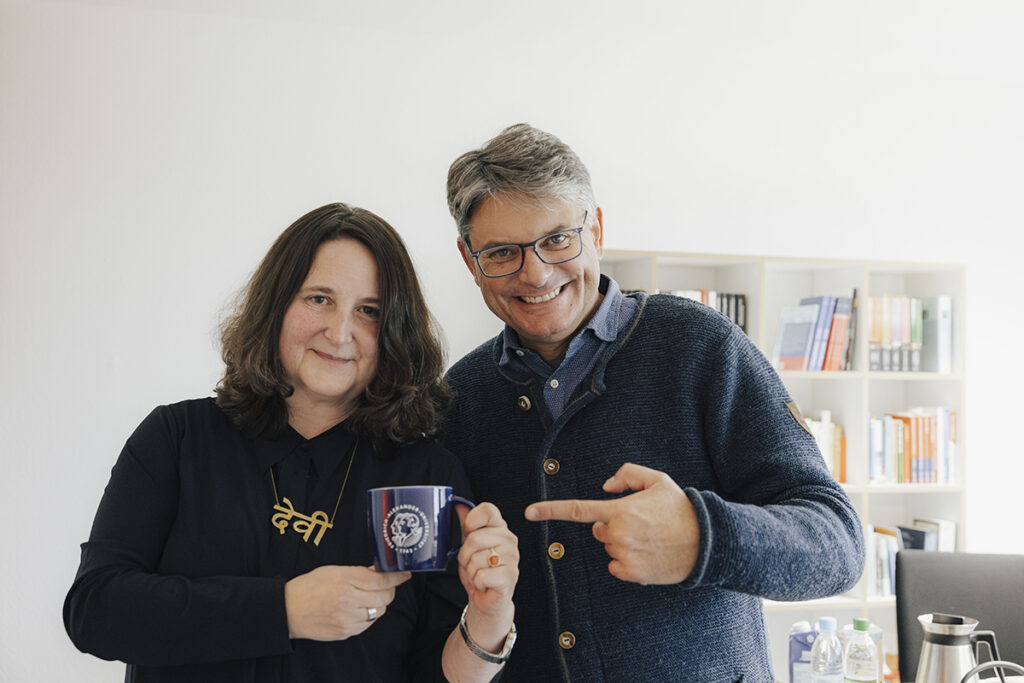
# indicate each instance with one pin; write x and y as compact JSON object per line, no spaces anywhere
{"x":950,"y":647}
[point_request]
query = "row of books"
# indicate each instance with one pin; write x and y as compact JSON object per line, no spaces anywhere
{"x":915,"y":447}
{"x":882,"y":543}
{"x":910,"y":334}
{"x":732,"y":306}
{"x":831,"y":441}
{"x":817,"y":334}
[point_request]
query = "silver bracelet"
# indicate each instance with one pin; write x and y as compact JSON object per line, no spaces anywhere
{"x":500,"y":657}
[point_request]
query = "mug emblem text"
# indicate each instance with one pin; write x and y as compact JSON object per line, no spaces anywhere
{"x":406,"y":528}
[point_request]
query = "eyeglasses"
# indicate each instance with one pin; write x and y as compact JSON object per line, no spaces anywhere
{"x":507,"y":259}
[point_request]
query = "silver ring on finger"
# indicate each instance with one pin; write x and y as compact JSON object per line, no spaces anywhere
{"x":371,"y":613}
{"x":493,"y":558}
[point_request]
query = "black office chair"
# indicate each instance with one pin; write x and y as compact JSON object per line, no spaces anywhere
{"x":989,"y":588}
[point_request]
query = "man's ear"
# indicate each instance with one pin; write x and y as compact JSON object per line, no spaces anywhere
{"x":467,"y":258}
{"x":599,"y":230}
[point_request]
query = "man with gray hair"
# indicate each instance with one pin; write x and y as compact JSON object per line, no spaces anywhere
{"x":657,"y":473}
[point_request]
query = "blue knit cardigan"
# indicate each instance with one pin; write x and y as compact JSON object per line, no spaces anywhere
{"x":684,"y":391}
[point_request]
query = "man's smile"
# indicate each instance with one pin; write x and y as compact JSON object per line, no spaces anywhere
{"x":545,"y":297}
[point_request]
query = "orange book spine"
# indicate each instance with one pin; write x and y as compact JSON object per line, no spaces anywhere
{"x":838,"y":346}
{"x":830,"y":349}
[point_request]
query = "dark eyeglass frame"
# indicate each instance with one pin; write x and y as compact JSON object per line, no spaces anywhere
{"x":533,"y":245}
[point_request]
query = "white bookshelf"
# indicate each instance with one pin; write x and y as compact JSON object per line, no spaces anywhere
{"x":770,"y":283}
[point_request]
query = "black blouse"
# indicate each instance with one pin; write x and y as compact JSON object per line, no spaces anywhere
{"x":183,"y":574}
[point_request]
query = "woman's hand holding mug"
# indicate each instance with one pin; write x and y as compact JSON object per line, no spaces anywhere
{"x":489,"y":570}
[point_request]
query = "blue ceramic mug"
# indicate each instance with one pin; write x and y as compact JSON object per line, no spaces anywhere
{"x":410,"y":527}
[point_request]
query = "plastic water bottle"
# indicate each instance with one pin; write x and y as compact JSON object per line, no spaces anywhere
{"x":846,"y":632}
{"x":827,"y":653}
{"x":861,"y":654}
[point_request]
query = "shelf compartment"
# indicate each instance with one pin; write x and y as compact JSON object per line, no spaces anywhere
{"x":844,"y":601}
{"x":901,"y":489}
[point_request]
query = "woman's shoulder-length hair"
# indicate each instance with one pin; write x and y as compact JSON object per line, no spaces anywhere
{"x":403,"y":400}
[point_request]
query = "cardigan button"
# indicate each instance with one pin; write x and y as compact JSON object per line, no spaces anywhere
{"x":556,"y":550}
{"x":551,"y":466}
{"x":524,"y":403}
{"x":566,"y":640}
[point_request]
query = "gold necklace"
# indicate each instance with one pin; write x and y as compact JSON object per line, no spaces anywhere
{"x":305,"y":524}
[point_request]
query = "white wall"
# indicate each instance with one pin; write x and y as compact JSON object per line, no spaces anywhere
{"x":150,"y":151}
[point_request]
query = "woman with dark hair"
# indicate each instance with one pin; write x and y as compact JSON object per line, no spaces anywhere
{"x":332,"y":386}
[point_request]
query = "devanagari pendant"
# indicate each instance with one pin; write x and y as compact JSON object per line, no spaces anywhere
{"x":284,"y":515}
{"x":304,"y":525}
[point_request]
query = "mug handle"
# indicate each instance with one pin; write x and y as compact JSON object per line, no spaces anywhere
{"x":459,"y":499}
{"x":996,"y":664}
{"x":464,"y":501}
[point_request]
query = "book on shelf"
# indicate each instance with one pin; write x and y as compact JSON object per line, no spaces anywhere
{"x":870,"y":573}
{"x":826,"y":307}
{"x":914,"y":538}
{"x":916,"y":334}
{"x":910,"y":334}
{"x":899,"y":341}
{"x":835,"y":352}
{"x":874,"y":320}
{"x":732,"y":306}
{"x":851,"y":332}
{"x":881,"y":544}
{"x":913,"y":447}
{"x":944,"y":530}
{"x":832,"y":333}
{"x":795,"y":336}
{"x":831,"y":442}
{"x":887,"y":332}
{"x":901,"y":332}
{"x":937,"y":334}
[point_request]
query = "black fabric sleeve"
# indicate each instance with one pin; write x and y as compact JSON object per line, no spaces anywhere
{"x":120,"y":607}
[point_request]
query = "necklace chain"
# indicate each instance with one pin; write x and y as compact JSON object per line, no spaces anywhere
{"x":305,"y":524}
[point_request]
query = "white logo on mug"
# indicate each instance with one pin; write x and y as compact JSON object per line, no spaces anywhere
{"x":408,"y":528}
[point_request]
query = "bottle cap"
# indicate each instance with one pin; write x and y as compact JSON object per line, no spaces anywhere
{"x":861,"y":624}
{"x":800,"y":627}
{"x":827,"y":623}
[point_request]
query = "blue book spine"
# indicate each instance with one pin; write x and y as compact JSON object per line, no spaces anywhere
{"x":826,"y":307}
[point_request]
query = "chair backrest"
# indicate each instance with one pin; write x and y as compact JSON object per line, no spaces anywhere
{"x":989,"y":588}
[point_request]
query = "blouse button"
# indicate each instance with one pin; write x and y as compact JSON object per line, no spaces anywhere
{"x":551,"y":466}
{"x":524,"y":403}
{"x":554,"y":383}
{"x":556,"y":550}
{"x":566,"y":640}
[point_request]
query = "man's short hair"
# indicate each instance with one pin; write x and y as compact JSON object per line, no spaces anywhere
{"x":520,"y":161}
